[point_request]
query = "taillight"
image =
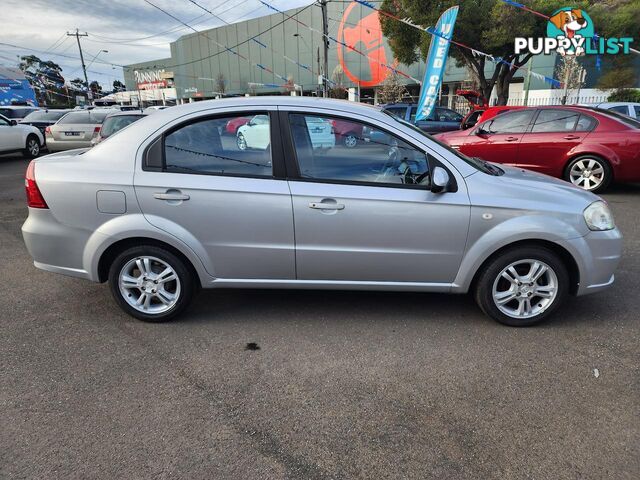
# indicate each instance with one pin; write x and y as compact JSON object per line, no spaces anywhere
{"x":47,"y":130}
{"x":34,"y":197}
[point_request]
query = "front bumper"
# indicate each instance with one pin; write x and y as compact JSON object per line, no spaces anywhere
{"x":598,"y":255}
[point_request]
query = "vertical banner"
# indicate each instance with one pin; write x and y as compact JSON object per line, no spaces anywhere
{"x":436,"y":60}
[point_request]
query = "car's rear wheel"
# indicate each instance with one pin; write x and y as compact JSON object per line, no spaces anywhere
{"x":589,"y":172}
{"x":241,"y":142}
{"x":151,"y":283}
{"x":350,"y":140}
{"x":32,"y":147}
{"x":522,"y":286}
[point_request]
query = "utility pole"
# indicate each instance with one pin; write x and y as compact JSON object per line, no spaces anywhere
{"x":325,"y":44}
{"x":77,"y":34}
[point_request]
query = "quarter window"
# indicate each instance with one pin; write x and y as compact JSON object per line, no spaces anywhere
{"x":586,"y":124}
{"x":621,"y":109}
{"x":555,"y":121}
{"x":350,"y":151}
{"x":204,"y":147}
{"x":512,"y":122}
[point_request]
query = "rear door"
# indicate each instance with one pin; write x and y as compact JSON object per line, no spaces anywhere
{"x":366,"y":213}
{"x":233,"y":204}
{"x":497,"y":140}
{"x":10,"y":136}
{"x":554,"y":133}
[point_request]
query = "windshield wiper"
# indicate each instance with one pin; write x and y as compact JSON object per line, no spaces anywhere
{"x":489,"y":167}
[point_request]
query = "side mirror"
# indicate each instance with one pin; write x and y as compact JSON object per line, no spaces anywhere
{"x":440,"y":180}
{"x":13,"y":123}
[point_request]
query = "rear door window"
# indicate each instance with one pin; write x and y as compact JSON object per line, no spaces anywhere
{"x":555,"y":121}
{"x":201,"y":148}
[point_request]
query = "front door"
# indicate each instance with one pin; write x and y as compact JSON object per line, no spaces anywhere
{"x":10,"y":136}
{"x":366,"y":214}
{"x":210,"y":193}
{"x":498,"y":140}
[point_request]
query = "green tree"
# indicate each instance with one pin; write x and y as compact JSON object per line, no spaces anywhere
{"x":118,"y":86}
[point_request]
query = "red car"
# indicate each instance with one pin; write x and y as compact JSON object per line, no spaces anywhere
{"x":234,"y":124}
{"x":589,"y":147}
{"x":348,"y":133}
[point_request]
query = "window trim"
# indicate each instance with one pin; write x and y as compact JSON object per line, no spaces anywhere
{"x":278,"y":170}
{"x":291,"y":155}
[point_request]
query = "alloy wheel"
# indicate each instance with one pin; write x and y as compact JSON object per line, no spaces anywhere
{"x":350,"y":141}
{"x":525,"y":289}
{"x":33,"y":146}
{"x":242,"y":143}
{"x":149,"y":285}
{"x":588,"y":173}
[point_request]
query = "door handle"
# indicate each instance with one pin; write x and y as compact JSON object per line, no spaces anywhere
{"x":326,"y":206}
{"x":170,"y":196}
{"x":511,"y":139}
{"x":571,"y":137}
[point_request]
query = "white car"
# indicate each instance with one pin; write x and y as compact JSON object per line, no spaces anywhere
{"x":321,"y":132}
{"x":15,"y":137}
{"x":254,"y":134}
{"x":630,"y":109}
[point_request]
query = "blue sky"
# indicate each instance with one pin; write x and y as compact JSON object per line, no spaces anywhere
{"x":114,"y":25}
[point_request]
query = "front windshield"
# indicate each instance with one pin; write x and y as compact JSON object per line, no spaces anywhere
{"x":473,"y":161}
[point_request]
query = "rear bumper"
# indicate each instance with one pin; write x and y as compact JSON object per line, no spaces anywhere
{"x":58,"y":145}
{"x":55,"y":247}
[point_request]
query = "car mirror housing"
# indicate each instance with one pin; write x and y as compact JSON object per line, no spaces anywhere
{"x":440,"y":180}
{"x":13,"y":123}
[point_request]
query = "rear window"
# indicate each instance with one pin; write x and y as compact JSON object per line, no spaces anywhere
{"x":114,"y":124}
{"x":78,"y":118}
{"x":44,"y":116}
{"x":630,"y":122}
{"x":15,"y":112}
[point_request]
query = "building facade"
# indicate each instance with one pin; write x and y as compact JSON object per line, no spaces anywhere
{"x":283,"y":53}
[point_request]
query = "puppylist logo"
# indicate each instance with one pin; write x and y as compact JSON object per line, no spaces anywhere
{"x":570,"y":31}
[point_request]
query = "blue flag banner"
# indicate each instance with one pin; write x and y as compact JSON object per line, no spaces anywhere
{"x":442,"y":33}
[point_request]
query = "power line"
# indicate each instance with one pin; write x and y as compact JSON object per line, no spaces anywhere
{"x":236,"y":45}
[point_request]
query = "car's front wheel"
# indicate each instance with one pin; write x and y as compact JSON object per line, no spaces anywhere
{"x":32,"y":147}
{"x":522,"y":286}
{"x":589,"y":172}
{"x":151,"y":283}
{"x":241,"y":141}
{"x":350,"y":140}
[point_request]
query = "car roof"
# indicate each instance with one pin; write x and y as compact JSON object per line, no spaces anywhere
{"x":615,"y":104}
{"x":127,"y":113}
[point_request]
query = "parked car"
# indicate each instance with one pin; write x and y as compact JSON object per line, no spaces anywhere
{"x":630,"y":109}
{"x":15,"y":137}
{"x":16,"y":112}
{"x":350,"y":134}
{"x":41,"y":119}
{"x":479,"y":115}
{"x":441,"y":119}
{"x":588,"y":147}
{"x":254,"y":133}
{"x":234,"y":124}
{"x":76,"y":129}
{"x":115,"y":122}
{"x":171,"y":207}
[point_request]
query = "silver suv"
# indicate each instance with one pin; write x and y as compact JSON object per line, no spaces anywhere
{"x":170,"y":204}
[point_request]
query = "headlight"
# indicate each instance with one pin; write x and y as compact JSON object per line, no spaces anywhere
{"x":599,"y":217}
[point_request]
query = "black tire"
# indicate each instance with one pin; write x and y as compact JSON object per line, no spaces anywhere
{"x":187,"y":282}
{"x":599,"y":162}
{"x":32,"y":147}
{"x":492,"y":269}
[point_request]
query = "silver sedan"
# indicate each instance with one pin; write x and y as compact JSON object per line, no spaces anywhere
{"x":171,"y":204}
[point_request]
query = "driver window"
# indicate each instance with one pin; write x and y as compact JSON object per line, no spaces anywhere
{"x":336,"y":149}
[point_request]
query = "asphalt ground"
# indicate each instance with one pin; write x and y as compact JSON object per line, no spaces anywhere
{"x":341,"y":385}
